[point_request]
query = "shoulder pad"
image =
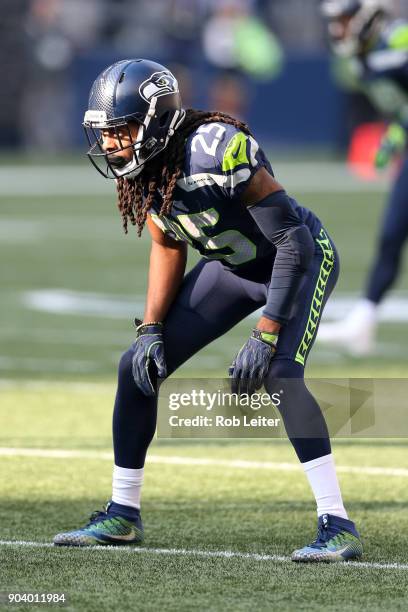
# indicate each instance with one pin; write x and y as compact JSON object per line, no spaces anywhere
{"x":221,"y":156}
{"x":218,"y":147}
{"x":203,"y":146}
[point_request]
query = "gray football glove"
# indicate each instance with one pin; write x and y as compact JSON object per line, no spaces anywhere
{"x":148,"y":356}
{"x":251,"y":365}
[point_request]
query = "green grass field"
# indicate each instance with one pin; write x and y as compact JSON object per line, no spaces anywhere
{"x":71,"y":283}
{"x":193,"y":509}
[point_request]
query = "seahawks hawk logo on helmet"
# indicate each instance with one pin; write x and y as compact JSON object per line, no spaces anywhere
{"x":159,"y":84}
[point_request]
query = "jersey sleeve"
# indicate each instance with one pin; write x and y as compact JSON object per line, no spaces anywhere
{"x":239,"y":161}
{"x":165,"y":223}
{"x":391,"y":61}
{"x":169,"y":227}
{"x":221,"y":160}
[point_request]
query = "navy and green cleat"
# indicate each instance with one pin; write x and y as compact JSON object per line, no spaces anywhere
{"x":337,"y":540}
{"x":106,"y":527}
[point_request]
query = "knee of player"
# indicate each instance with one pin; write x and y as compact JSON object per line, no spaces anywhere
{"x":283,"y":375}
{"x":125,"y":364}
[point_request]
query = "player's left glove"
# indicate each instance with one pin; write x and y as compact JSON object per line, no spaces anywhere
{"x":148,"y":353}
{"x":393,"y":143}
{"x":251,"y":365}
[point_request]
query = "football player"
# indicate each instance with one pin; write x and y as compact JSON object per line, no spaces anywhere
{"x":200,"y":178}
{"x":374,"y":47}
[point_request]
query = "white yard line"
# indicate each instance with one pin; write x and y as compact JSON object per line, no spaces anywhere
{"x":196,"y":461}
{"x":46,"y":364}
{"x":85,"y":337}
{"x":45,"y":386}
{"x":67,"y":301}
{"x":221,"y":554}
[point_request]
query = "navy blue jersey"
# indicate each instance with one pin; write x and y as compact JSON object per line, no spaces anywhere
{"x":207,"y":211}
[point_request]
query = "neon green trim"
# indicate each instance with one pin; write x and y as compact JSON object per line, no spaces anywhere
{"x":269,"y":338}
{"x":399,"y":38}
{"x":235,"y":153}
{"x":317,"y":302}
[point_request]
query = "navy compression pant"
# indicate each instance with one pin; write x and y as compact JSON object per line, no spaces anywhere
{"x":211,"y":300}
{"x":393,"y":234}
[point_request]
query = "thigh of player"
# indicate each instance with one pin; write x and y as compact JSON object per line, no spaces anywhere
{"x":297,"y":337}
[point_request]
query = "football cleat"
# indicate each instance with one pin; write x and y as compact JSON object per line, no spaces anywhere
{"x":337,"y":540}
{"x":103,"y":529}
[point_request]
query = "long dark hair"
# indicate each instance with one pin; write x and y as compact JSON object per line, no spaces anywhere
{"x":163,"y":171}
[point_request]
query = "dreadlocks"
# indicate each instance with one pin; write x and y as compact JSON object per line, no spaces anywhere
{"x":136,"y":196}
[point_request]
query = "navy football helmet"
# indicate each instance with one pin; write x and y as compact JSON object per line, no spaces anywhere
{"x":364,"y":17}
{"x":134,"y":90}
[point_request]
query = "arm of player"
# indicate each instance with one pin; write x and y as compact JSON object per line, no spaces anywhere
{"x":387,"y":91}
{"x":276,"y":218}
{"x":168,"y":259}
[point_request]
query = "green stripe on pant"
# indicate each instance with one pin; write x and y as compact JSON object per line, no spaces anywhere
{"x":318,"y":297}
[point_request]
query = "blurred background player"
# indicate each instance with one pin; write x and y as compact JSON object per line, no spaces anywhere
{"x":200,"y":178}
{"x":375,"y":47}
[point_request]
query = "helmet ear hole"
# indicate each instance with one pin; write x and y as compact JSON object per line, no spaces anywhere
{"x":164,"y":119}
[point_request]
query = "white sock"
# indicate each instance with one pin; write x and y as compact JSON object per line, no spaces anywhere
{"x":127,"y":486}
{"x":322,"y":477}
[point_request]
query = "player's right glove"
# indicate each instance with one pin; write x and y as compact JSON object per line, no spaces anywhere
{"x":148,"y":355}
{"x":393,"y":143}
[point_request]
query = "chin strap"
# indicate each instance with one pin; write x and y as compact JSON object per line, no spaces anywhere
{"x":179,"y":117}
{"x":177,"y":120}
